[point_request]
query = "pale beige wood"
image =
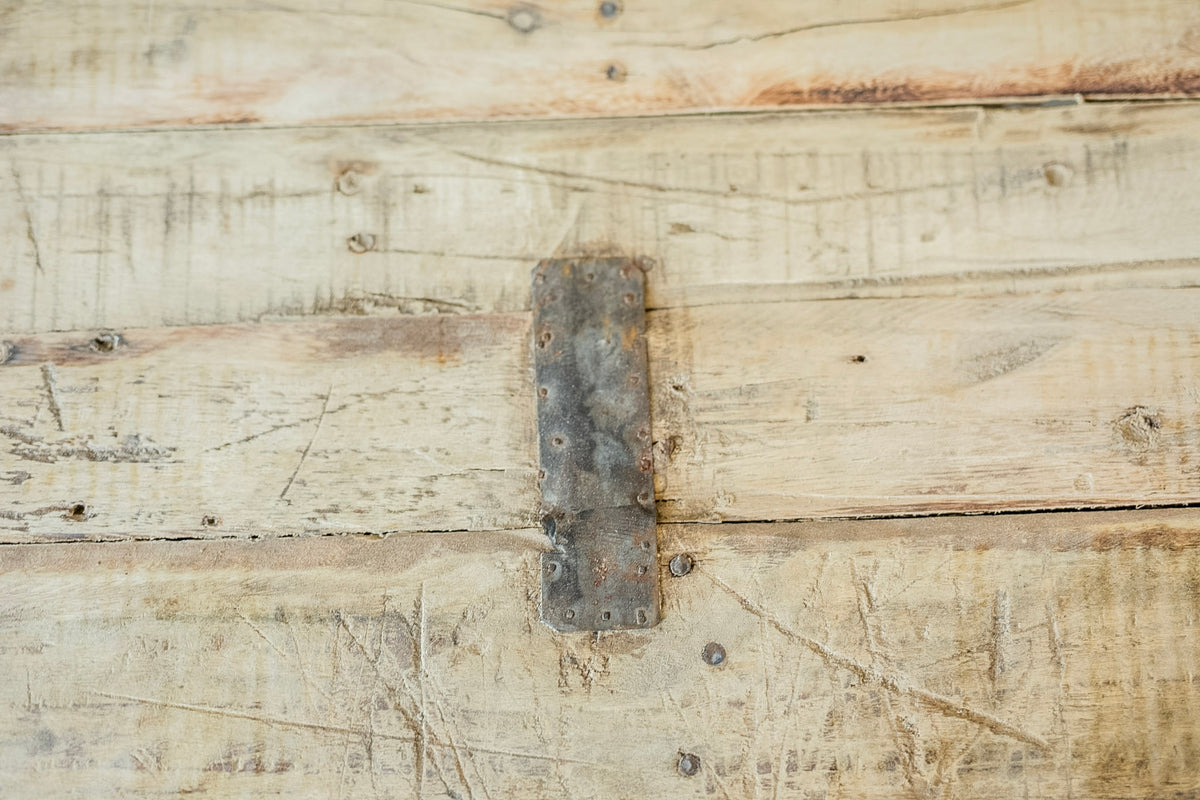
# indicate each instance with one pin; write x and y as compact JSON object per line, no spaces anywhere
{"x":761,"y":411}
{"x":70,"y":64}
{"x":347,"y":425}
{"x":1045,"y":656}
{"x":877,"y":407}
{"x":229,"y":226}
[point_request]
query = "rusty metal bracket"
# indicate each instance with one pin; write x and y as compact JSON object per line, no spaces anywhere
{"x":593,"y":401}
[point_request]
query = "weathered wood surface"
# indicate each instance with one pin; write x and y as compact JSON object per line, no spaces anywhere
{"x":230,"y":226}
{"x":343,"y":424}
{"x":879,"y":407}
{"x":68,"y":64}
{"x":1042,"y":656}
{"x":761,"y":411}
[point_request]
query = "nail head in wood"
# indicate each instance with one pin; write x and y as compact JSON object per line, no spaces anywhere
{"x":681,"y":565}
{"x":713,"y":654}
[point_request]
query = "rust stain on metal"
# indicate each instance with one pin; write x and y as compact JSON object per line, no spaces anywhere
{"x":593,"y":433}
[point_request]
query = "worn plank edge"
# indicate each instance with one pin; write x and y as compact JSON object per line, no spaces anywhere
{"x":1170,"y":528}
{"x":1049,"y":101}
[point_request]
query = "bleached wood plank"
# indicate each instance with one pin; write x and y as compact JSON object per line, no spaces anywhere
{"x":113,"y":231}
{"x":760,"y":411}
{"x":346,"y":424}
{"x":1050,"y":656}
{"x":68,"y":64}
{"x":867,"y":407}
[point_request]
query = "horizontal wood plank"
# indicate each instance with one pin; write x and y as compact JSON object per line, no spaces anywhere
{"x":68,"y":64}
{"x":951,"y":657}
{"x":344,"y":425}
{"x":114,"y":231}
{"x":874,"y":407}
{"x":761,"y":411}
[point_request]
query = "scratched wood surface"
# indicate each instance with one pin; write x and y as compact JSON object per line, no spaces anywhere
{"x":69,"y":64}
{"x":1036,"y":655}
{"x":268,"y":479}
{"x":209,"y":227}
{"x":761,"y":411}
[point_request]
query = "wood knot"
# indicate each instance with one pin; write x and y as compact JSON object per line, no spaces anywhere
{"x":1139,"y":427}
{"x":1057,"y":174}
{"x":350,"y":182}
{"x":361,"y":243}
{"x":106,"y":342}
{"x":524,"y":19}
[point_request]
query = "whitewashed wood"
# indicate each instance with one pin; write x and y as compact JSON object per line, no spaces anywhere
{"x":114,"y":231}
{"x":69,"y":64}
{"x":877,"y":407}
{"x":346,"y":425}
{"x":1051,"y":656}
{"x":761,"y":411}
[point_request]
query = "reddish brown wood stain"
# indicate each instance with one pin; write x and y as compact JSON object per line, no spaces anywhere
{"x":440,"y":339}
{"x":1126,"y":78}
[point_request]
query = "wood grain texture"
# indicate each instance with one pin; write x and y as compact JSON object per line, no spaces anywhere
{"x":111,"y":231}
{"x":345,"y":424}
{"x":1049,"y":656}
{"x":868,"y":407}
{"x":761,"y":411}
{"x":69,"y":64}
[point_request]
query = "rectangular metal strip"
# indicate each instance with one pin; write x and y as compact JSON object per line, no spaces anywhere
{"x":594,"y":445}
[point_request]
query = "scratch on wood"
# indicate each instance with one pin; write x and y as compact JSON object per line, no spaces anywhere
{"x":456,"y":752}
{"x":422,"y":735}
{"x":659,"y":188}
{"x":50,"y":380}
{"x":236,"y":714}
{"x":307,"y":447}
{"x":134,"y":448}
{"x":893,"y":682}
{"x":367,"y":303}
{"x":1003,"y":360}
{"x":1001,"y":639}
{"x":262,"y":636}
{"x":357,"y":399}
{"x":1055,"y":638}
{"x":844,"y":23}
{"x":395,"y":692}
{"x":30,"y":234}
{"x":476,"y":12}
{"x":308,"y":681}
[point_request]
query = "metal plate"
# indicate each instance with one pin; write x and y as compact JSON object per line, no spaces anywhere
{"x":594,"y":444}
